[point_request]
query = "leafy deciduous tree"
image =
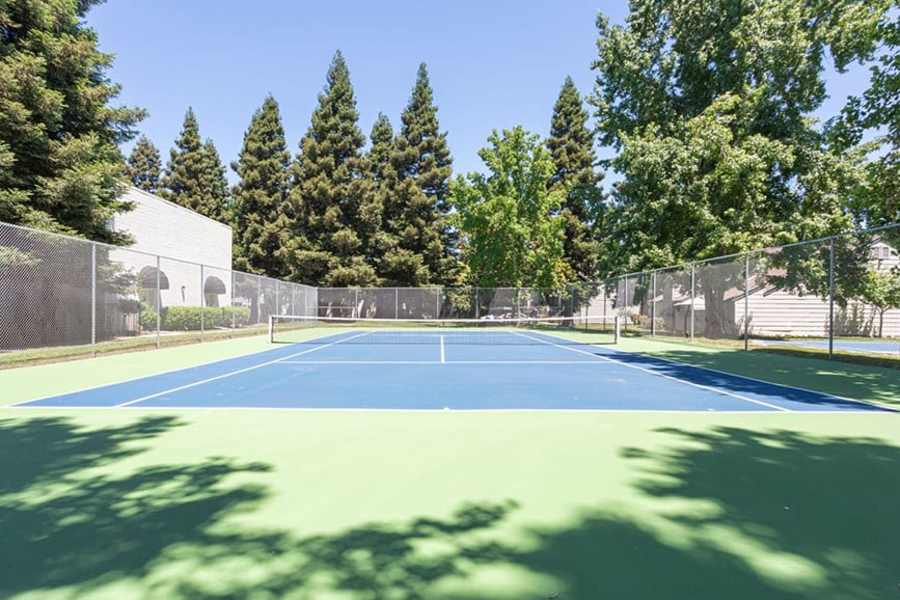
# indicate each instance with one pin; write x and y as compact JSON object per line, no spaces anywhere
{"x":512,"y":232}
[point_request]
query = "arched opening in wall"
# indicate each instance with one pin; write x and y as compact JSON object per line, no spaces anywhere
{"x":213,"y":287}
{"x":147,"y":290}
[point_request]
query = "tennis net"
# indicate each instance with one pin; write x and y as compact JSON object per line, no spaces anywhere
{"x":290,"y":329}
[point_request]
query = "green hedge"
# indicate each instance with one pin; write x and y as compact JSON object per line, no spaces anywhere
{"x":187,"y":318}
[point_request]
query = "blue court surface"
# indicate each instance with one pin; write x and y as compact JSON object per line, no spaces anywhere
{"x":873,"y":346}
{"x":451,"y":371}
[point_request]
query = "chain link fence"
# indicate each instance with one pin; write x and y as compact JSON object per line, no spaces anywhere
{"x":58,"y":292}
{"x":839,"y":293}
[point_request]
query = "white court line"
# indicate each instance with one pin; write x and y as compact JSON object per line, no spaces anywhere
{"x":651,"y":372}
{"x":443,"y":357}
{"x":448,"y":362}
{"x":239,"y":371}
{"x":164,"y":372}
{"x":668,"y":411}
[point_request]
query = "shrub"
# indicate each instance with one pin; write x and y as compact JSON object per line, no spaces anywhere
{"x":188,"y":318}
{"x":148,"y":317}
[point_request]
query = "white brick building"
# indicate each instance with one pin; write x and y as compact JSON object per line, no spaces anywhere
{"x":187,"y":239}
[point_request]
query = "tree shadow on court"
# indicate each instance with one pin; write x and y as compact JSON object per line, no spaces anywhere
{"x":871,"y":384}
{"x":723,"y":513}
{"x":70,"y":519}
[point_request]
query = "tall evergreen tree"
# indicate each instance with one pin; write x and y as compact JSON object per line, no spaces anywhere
{"x":261,"y":215}
{"x":328,"y":191}
{"x":571,"y":145}
{"x":195,"y":176}
{"x":60,"y":166}
{"x":383,"y":180}
{"x":144,"y":165}
{"x":417,"y":215}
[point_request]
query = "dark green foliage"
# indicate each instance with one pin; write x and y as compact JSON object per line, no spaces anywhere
{"x":420,"y":244}
{"x":195,"y":176}
{"x":260,"y":214}
{"x":571,"y":145}
{"x":708,"y":103}
{"x":144,"y":166}
{"x":328,"y":192}
{"x":191,"y":318}
{"x":60,"y":167}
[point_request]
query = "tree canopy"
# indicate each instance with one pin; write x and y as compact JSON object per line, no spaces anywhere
{"x":60,"y":166}
{"x":328,"y":191}
{"x":261,"y":215}
{"x":144,"y":165}
{"x":510,"y":222}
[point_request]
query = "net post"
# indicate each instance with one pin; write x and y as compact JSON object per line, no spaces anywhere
{"x":746,"y":301}
{"x":617,"y":328}
{"x":831,"y":299}
{"x":93,"y":299}
{"x":271,"y":329}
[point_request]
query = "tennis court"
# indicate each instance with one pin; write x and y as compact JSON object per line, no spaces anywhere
{"x":873,"y":346}
{"x":528,"y":365}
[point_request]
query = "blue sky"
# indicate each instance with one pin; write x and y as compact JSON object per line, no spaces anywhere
{"x":493,"y":63}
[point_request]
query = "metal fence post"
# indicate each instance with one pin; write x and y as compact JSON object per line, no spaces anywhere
{"x":202,"y":302}
{"x":233,"y":312}
{"x":277,"y":298}
{"x":396,"y":303}
{"x":94,"y":299}
{"x":477,"y":304}
{"x":355,"y":313}
{"x":692,"y":301}
{"x":653,"y":304}
{"x":627,"y":302}
{"x":437,"y":303}
{"x":831,"y":299}
{"x":747,"y":301}
{"x":258,"y":300}
{"x":158,"y":303}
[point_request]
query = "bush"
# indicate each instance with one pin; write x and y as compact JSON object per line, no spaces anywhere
{"x":148,"y":317}
{"x":188,"y":318}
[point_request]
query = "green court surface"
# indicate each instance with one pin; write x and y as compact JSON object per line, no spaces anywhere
{"x":165,"y":504}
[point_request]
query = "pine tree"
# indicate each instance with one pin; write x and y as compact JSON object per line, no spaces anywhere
{"x":571,"y":144}
{"x":417,"y":215}
{"x":328,"y":191}
{"x":214,"y":193}
{"x":144,"y":165}
{"x":60,"y":166}
{"x":195,"y":176}
{"x":261,"y":215}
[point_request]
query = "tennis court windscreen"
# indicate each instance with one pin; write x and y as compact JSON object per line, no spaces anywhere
{"x":288,"y":329}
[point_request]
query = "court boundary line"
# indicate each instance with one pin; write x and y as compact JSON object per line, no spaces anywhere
{"x":448,"y":362}
{"x":442,"y":410}
{"x":21,"y":403}
{"x":649,"y":372}
{"x":787,"y":386}
{"x":237,"y":372}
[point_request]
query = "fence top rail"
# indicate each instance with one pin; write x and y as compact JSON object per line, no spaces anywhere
{"x":693,"y":263}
